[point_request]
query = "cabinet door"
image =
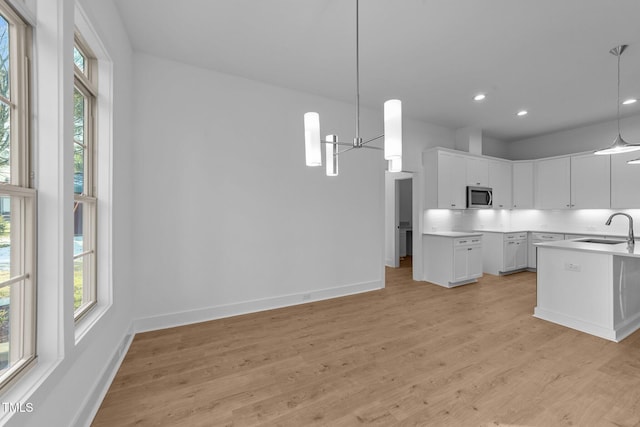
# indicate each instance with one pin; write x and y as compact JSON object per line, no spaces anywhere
{"x":523,"y":185}
{"x":590,"y":182}
{"x":510,"y":251}
{"x":460,"y":263}
{"x":625,"y":193}
{"x":501,"y":182}
{"x":474,"y":259}
{"x":451,"y":181}
{"x":477,"y":172}
{"x":553,"y":183}
{"x":521,"y":254}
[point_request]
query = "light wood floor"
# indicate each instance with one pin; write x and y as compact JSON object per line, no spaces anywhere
{"x":411,"y":354}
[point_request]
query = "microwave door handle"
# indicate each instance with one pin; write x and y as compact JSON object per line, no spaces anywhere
{"x":490,"y":198}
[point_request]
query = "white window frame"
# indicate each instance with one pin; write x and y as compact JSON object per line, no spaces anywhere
{"x":103,"y":174}
{"x":86,"y":83}
{"x":22,"y":344}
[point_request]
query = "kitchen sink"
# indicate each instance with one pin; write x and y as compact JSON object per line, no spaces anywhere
{"x":602,"y":241}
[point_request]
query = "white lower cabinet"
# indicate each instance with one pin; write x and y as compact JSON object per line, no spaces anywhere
{"x":504,"y":252}
{"x":452,"y":260}
{"x":539,"y":237}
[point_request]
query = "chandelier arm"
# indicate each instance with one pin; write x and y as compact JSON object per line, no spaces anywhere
{"x":373,"y":139}
{"x":337,"y":143}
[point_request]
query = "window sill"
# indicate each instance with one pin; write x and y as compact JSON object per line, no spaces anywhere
{"x":88,"y":320}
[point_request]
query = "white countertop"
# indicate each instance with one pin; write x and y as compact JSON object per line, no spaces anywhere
{"x":520,"y":230}
{"x":453,"y":233}
{"x":619,"y":249}
{"x":500,"y":230}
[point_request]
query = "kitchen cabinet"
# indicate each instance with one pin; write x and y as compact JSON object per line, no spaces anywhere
{"x":452,"y":259}
{"x":523,"y":185}
{"x":624,"y":181}
{"x":591,"y":182}
{"x":553,"y":183}
{"x":538,"y":237}
{"x":477,"y":171}
{"x":500,"y":180}
{"x":445,"y":180}
{"x":504,"y":253}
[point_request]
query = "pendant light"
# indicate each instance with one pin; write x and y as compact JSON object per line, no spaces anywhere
{"x":619,"y":144}
{"x":392,"y":131}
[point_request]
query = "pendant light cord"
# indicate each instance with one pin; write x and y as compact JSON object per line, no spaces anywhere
{"x":357,"y":78}
{"x":618,"y":111}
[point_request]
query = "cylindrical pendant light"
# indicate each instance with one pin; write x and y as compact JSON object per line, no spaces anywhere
{"x":312,"y":149}
{"x":332,"y":155}
{"x":395,"y":165}
{"x":392,"y":129}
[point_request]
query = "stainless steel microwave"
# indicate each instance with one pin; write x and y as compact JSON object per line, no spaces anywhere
{"x":479,"y":197}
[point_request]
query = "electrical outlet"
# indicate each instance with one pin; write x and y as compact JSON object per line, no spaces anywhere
{"x":569,"y":266}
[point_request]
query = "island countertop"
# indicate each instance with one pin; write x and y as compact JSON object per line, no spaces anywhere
{"x":619,"y":249}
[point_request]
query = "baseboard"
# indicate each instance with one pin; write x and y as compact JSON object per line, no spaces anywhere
{"x":171,"y":320}
{"x":577,"y":324}
{"x":94,"y":399}
{"x":628,"y":327}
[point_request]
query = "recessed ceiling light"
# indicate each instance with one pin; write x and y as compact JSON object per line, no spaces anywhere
{"x":522,"y":113}
{"x":479,"y":97}
{"x":629,"y":101}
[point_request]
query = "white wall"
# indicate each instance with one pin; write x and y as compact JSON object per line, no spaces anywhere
{"x":577,"y":140}
{"x":228,"y":218}
{"x":495,"y":148}
{"x":72,"y":372}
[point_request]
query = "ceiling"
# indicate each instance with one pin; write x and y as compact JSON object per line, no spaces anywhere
{"x":550,"y":57}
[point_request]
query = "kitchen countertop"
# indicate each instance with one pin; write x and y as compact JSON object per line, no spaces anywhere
{"x":619,"y":249}
{"x":453,"y":233}
{"x":520,"y":230}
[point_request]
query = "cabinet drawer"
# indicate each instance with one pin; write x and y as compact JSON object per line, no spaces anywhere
{"x":515,"y":236}
{"x":465,"y":241}
{"x":547,"y":236}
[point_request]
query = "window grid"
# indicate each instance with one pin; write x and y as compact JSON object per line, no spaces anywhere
{"x":84,"y":210}
{"x":17,"y":201}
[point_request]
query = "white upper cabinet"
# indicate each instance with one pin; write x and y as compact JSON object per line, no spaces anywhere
{"x":523,"y":185}
{"x":553,"y":183}
{"x":445,"y":180}
{"x":625,"y":181}
{"x":590,"y":182}
{"x":477,"y":172}
{"x":500,"y":180}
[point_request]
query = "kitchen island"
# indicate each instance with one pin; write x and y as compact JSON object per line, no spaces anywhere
{"x":590,"y":285}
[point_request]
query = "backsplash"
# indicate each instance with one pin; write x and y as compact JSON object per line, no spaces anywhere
{"x":579,"y":221}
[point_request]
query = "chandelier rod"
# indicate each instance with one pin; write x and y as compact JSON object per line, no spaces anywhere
{"x":357,"y":139}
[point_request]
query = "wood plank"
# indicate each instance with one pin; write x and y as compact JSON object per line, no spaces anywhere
{"x":411,"y":354}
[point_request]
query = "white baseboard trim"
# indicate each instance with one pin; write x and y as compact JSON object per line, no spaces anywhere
{"x":627,"y":327}
{"x":94,"y":399}
{"x":171,"y":320}
{"x":577,"y":324}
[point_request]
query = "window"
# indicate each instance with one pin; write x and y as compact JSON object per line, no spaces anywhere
{"x":84,"y":205}
{"x":17,"y":201}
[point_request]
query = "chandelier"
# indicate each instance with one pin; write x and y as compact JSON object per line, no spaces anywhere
{"x":392,"y":131}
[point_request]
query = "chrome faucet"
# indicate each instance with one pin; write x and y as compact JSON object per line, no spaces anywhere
{"x":630,"y":237}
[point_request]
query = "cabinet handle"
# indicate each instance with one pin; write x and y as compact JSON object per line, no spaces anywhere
{"x":468,"y":249}
{"x":477,"y":183}
{"x":463,"y":241}
{"x":452,"y":204}
{"x":500,"y":205}
{"x":568,"y":205}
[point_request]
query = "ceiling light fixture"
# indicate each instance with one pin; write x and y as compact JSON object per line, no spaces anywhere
{"x":480,"y":97}
{"x":629,"y":101}
{"x":619,"y":145}
{"x":392,"y":131}
{"x":522,"y":113}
